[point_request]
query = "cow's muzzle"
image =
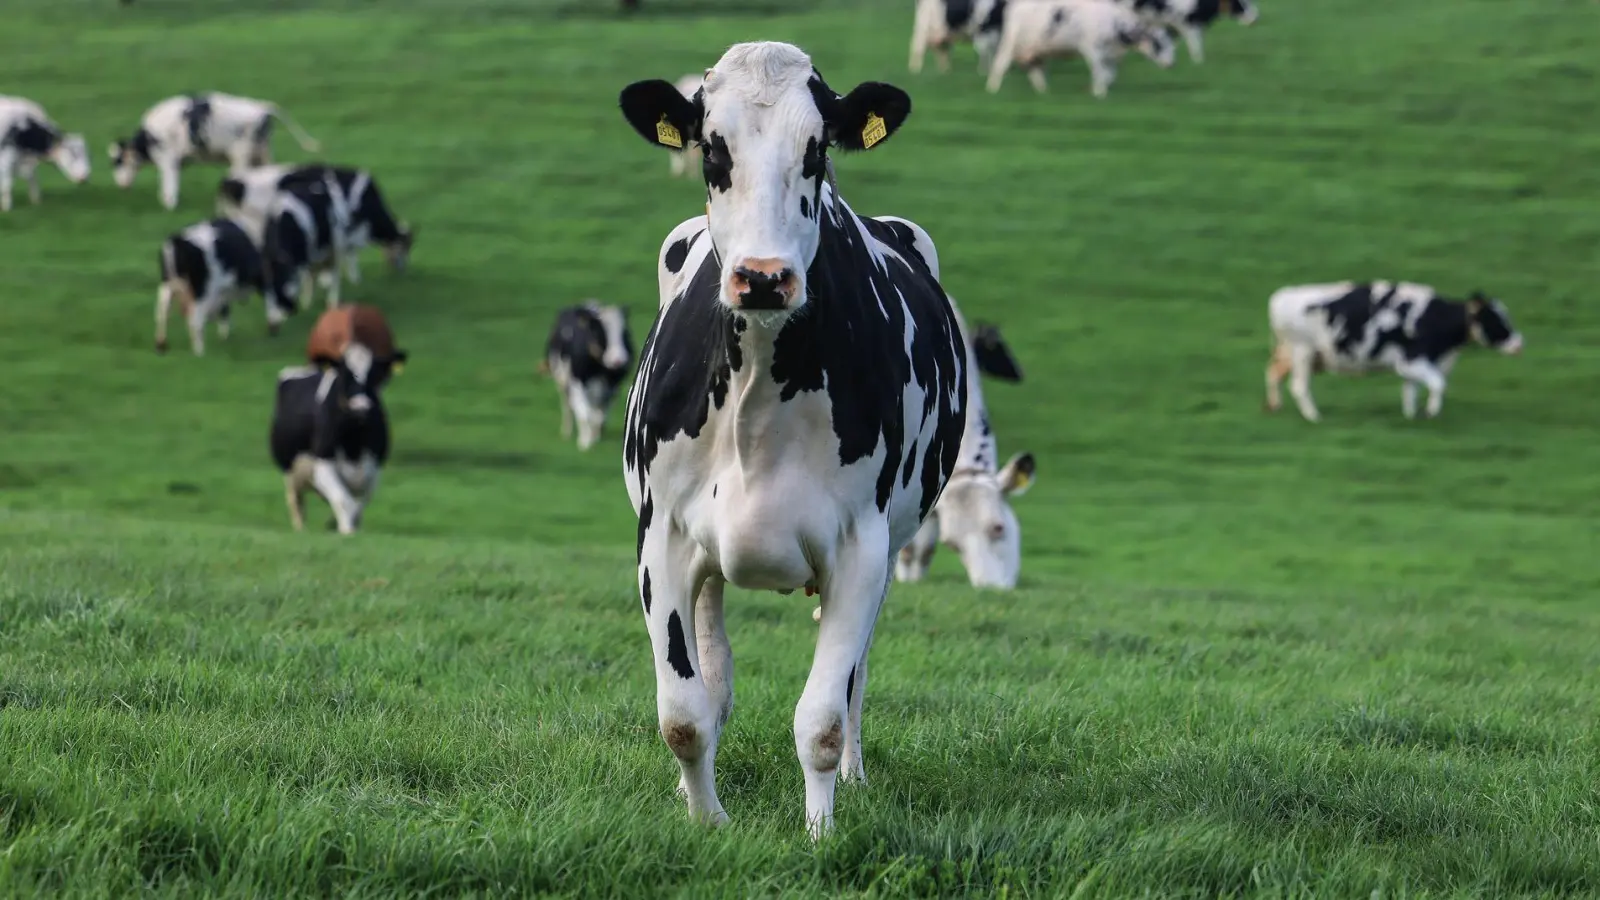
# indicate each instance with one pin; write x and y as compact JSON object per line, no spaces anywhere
{"x":763,"y":285}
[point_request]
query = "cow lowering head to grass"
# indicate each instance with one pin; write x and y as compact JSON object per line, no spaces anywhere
{"x":798,"y":407}
{"x":29,"y":137}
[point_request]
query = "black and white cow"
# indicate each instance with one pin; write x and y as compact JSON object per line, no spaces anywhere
{"x":974,"y":515}
{"x":588,"y":355}
{"x":304,"y":233}
{"x":1350,"y":327}
{"x":1100,"y":31}
{"x":329,"y":430}
{"x":204,"y":127}
{"x":28,"y":137}
{"x":941,"y":23}
{"x":207,"y":267}
{"x":799,"y":403}
{"x":357,"y":200}
{"x":1192,"y":17}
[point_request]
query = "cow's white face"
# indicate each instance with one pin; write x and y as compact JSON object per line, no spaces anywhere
{"x":976,"y":521}
{"x":615,"y":322}
{"x":764,"y":120}
{"x":71,"y":156}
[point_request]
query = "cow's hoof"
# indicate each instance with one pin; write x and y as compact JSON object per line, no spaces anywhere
{"x":161,"y":347}
{"x":272,"y":331}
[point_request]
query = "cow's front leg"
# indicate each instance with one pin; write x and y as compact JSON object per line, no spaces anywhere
{"x":578,"y":400}
{"x":352,"y":267}
{"x":1192,"y":40}
{"x":1278,"y":368}
{"x":1422,"y":371}
{"x":198,"y":314}
{"x":168,"y":170}
{"x":852,"y":593}
{"x":1036,"y":77}
{"x":1102,"y":72}
{"x":8,"y":162}
{"x":1408,"y":398}
{"x":912,"y":563}
{"x":688,"y":715}
{"x":276,"y":316}
{"x":369,"y":486}
{"x":1301,"y":361}
{"x":325,"y":478}
{"x":225,"y":319}
{"x":853,"y":767}
{"x":29,"y":170}
{"x":716,"y":656}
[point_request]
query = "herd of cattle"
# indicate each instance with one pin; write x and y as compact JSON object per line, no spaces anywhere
{"x":806,"y":411}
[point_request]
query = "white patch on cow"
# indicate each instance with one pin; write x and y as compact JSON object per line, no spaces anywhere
{"x":358,"y":359}
{"x":1098,"y":30}
{"x":612,"y":319}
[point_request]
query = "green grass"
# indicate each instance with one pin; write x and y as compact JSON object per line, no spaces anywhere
{"x":1249,"y":655}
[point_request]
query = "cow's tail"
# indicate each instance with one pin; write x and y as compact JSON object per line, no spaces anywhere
{"x":306,"y":141}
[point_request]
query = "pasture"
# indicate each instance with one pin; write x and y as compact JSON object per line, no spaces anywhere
{"x":1248,"y":655}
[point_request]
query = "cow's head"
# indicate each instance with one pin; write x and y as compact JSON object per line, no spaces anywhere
{"x":764,"y":120}
{"x":1154,"y":41}
{"x":127,"y":156}
{"x":616,"y":351}
{"x":398,"y":251}
{"x":1244,"y":11}
{"x":357,"y":376}
{"x":71,"y":156}
{"x":1490,"y":324}
{"x":976,"y":521}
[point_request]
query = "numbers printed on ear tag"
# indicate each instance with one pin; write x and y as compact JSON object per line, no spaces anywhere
{"x":667,"y":134}
{"x":874,"y":132}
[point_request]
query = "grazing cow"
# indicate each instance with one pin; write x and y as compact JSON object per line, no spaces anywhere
{"x":941,"y":23}
{"x":356,"y":197}
{"x":1098,"y":30}
{"x":27,"y":137}
{"x":329,"y":431}
{"x":588,"y":355}
{"x":303,"y":234}
{"x":798,"y":407}
{"x":1350,"y":327}
{"x":973,"y":516}
{"x":207,"y":267}
{"x":204,"y":127}
{"x":1192,"y":17}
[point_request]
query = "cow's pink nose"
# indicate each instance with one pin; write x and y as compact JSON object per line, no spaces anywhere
{"x":762,"y":284}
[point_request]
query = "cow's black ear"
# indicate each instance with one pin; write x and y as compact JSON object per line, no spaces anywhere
{"x":867,"y":116}
{"x":993,"y":356}
{"x":661,"y":114}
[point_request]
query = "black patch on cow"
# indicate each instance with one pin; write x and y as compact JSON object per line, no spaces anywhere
{"x":644,"y":591}
{"x":717,"y":164}
{"x":231,"y":247}
{"x":805,"y":208}
{"x":579,"y":339}
{"x":1204,"y":12}
{"x":1154,"y":6}
{"x":366,"y":208}
{"x":850,"y":685}
{"x":713,"y":490}
{"x":1441,"y":328}
{"x":910,"y":465}
{"x":1348,"y":316}
{"x":326,"y":428}
{"x":995,"y":20}
{"x":187,"y":262}
{"x":646,"y":513}
{"x":30,"y":136}
{"x":956,"y":13}
{"x":1060,"y":15}
{"x":1492,"y":322}
{"x":690,"y":376}
{"x":198,"y":118}
{"x":677,"y":648}
{"x":674,"y":258}
{"x":287,"y":248}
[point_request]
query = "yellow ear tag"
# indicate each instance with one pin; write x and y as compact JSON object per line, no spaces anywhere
{"x":667,"y":134}
{"x":874,"y":132}
{"x":1023,"y":480}
{"x":398,"y":367}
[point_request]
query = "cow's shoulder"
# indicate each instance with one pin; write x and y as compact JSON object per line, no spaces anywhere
{"x":683,"y":252}
{"x":292,"y":373}
{"x":909,"y":240}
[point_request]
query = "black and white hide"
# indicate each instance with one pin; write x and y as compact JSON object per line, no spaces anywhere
{"x":939,"y":24}
{"x":1350,"y":327}
{"x":303,"y":234}
{"x":1099,"y":31}
{"x":28,"y":137}
{"x":330,"y":434}
{"x":588,"y":355}
{"x":799,"y":403}
{"x":207,"y":267}
{"x":207,"y":127}
{"x":358,"y":202}
{"x":1191,"y":17}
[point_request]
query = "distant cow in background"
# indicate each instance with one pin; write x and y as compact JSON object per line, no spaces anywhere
{"x":941,"y":23}
{"x":1350,"y":327}
{"x":1098,"y":30}
{"x":1192,"y":17}
{"x":360,"y":204}
{"x":28,"y":137}
{"x":588,"y":354}
{"x":329,"y":430}
{"x":304,"y":233}
{"x":206,"y":268}
{"x":203,"y":127}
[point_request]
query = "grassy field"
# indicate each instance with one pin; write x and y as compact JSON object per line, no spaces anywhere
{"x":1249,"y":656}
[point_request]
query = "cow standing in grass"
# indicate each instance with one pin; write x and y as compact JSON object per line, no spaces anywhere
{"x":205,"y":127}
{"x":587,"y":355}
{"x":940,"y":23}
{"x":1192,"y":17}
{"x":329,"y":430}
{"x":1351,"y":327}
{"x":27,"y":138}
{"x":206,"y":268}
{"x":798,"y":407}
{"x":1098,"y":30}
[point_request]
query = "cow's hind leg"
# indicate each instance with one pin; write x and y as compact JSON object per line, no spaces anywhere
{"x":1302,"y":360}
{"x":1278,"y":368}
{"x":1193,"y":40}
{"x":295,"y":483}
{"x":198,"y":313}
{"x":689,"y":715}
{"x":852,"y":593}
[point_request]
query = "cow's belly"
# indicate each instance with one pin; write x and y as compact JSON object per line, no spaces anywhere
{"x":771,"y":534}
